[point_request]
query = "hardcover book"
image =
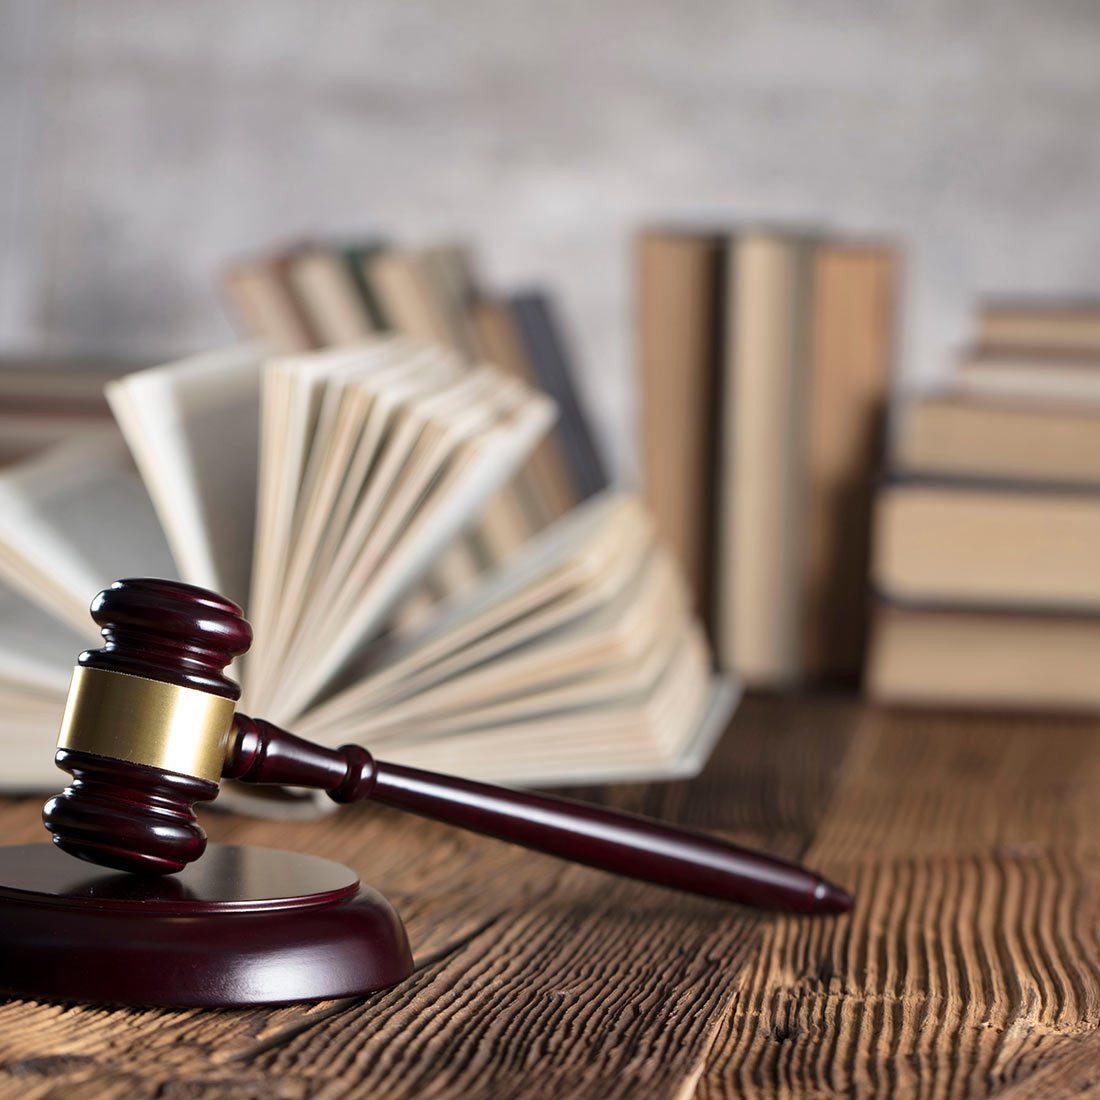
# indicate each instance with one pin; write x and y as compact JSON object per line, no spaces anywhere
{"x":765,"y":357}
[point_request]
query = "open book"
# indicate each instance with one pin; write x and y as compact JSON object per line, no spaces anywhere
{"x":317,"y":490}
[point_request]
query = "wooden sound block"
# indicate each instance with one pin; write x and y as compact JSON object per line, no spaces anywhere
{"x":241,"y":926}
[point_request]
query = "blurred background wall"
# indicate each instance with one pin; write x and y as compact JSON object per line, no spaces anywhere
{"x":145,"y":143}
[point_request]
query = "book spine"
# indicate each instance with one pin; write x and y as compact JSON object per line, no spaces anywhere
{"x":852,"y":347}
{"x":357,"y":258}
{"x":261,"y":295}
{"x":761,"y":479}
{"x":679,"y":286}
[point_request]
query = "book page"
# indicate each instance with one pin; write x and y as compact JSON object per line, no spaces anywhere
{"x":75,"y":519}
{"x":445,"y":456}
{"x":634,"y":735}
{"x":293,"y":405}
{"x":29,"y":721}
{"x":193,"y":428}
{"x":306,"y":505}
{"x":617,"y":643}
{"x":558,"y":573}
{"x":36,"y":651}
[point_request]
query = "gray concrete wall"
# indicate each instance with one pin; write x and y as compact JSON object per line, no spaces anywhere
{"x":145,"y":142}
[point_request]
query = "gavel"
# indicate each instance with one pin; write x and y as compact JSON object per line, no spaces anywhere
{"x":150,"y":728}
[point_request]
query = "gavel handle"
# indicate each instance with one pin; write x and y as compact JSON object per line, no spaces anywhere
{"x":624,"y":844}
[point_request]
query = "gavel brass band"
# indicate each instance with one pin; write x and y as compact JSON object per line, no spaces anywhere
{"x":143,"y":721}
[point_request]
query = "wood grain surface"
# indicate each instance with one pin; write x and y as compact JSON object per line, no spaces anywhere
{"x":970,"y":966}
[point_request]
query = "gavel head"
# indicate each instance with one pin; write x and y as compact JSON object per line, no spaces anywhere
{"x":146,"y":726}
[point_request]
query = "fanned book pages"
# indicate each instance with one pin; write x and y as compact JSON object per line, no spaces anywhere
{"x":319,"y":490}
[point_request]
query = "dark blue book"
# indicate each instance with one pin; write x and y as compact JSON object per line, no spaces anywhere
{"x":542,"y":338}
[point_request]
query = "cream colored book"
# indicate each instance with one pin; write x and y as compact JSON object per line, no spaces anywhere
{"x":326,"y":288}
{"x":405,"y":288}
{"x":1067,"y":380}
{"x":988,"y":546}
{"x":762,"y":511}
{"x":262,"y":295}
{"x":949,"y":435}
{"x":319,"y":490}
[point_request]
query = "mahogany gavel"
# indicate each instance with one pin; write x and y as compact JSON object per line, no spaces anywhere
{"x":150,"y":728}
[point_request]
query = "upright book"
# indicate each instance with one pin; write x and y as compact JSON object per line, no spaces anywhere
{"x":854,"y":311}
{"x":762,"y":500}
{"x":678,"y":288}
{"x":765,"y":358}
{"x":542,"y":337}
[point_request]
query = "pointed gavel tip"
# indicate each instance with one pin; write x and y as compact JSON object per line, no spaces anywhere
{"x":831,"y":899}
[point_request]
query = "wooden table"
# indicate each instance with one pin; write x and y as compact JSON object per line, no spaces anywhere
{"x":970,"y":966}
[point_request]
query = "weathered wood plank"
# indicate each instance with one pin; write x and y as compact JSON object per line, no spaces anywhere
{"x":969,"y":968}
{"x":1070,"y":1070}
{"x":534,"y":978}
{"x":971,"y":957}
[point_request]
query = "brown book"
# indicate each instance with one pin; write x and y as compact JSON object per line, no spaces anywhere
{"x":323,"y":282}
{"x":263,"y":297}
{"x":1040,"y":326}
{"x":963,"y":657}
{"x":950,"y":435}
{"x":679,"y":286}
{"x":990,"y":546}
{"x":449,"y":272}
{"x":762,"y":498}
{"x":852,"y":326}
{"x":408,"y":295}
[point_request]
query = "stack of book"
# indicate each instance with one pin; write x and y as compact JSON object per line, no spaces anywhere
{"x":44,"y":401}
{"x":765,"y":361}
{"x":318,"y":295}
{"x":987,"y":534}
